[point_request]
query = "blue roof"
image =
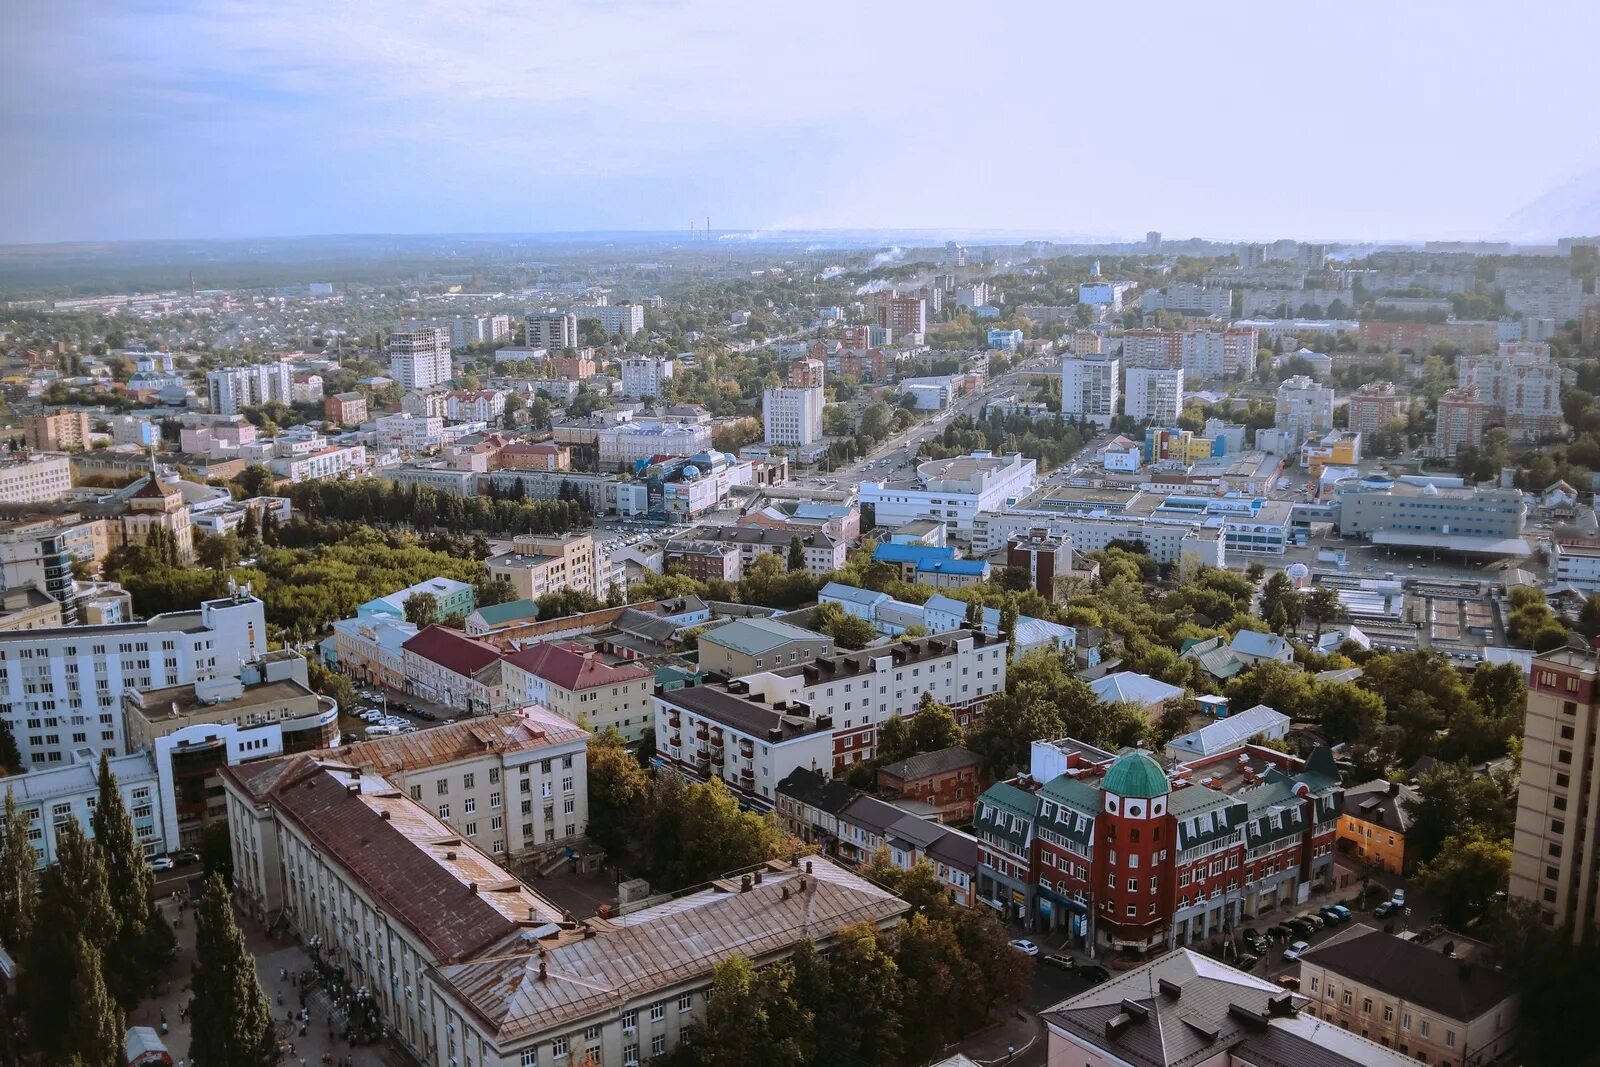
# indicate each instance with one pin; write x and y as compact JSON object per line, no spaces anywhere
{"x":889,"y":552}
{"x":851,"y":595}
{"x":952,"y":566}
{"x":1265,"y":646}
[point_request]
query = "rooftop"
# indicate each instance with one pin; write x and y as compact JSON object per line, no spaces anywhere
{"x":452,"y":650}
{"x":923,"y":764}
{"x":756,"y":636}
{"x":179,"y":700}
{"x":1422,"y":974}
{"x":740,"y":713}
{"x":572,"y":666}
{"x":532,"y":727}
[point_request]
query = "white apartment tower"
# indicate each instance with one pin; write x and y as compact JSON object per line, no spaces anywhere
{"x":1089,"y":387}
{"x":792,"y":413}
{"x":1153,"y":395}
{"x":232,"y":389}
{"x":419,"y":356}
{"x":644,"y":376}
{"x":551,"y":330}
{"x":1303,"y":408}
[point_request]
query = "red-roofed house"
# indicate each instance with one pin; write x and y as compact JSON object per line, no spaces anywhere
{"x":575,"y":682}
{"x":456,"y":670}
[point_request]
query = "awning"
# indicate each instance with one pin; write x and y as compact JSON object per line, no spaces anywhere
{"x":1487,"y":546}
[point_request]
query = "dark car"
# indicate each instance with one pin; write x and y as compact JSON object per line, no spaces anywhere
{"x":1247,"y":961}
{"x":1299,"y":927}
{"x":1093,"y":972}
{"x":1335,"y":913}
{"x":427,"y":716}
{"x":185,"y":856}
{"x":1061,"y":960}
{"x":1279,"y":931}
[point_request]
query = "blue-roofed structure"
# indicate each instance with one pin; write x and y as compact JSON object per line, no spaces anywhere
{"x":929,"y":565}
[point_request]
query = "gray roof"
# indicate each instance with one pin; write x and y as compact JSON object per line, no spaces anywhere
{"x":1381,"y":802}
{"x":717,"y":704}
{"x":816,"y":791}
{"x":755,"y":636}
{"x":1422,"y":974}
{"x":926,"y":763}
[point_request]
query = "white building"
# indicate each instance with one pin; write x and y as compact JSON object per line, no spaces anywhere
{"x":623,"y":319}
{"x":1304,"y":408}
{"x":1154,"y":395}
{"x":953,"y":490}
{"x":411,"y":433}
{"x":552,"y":330}
{"x":332,"y":461}
{"x":49,"y":797}
{"x":419,"y":356}
{"x":35,"y":477}
{"x":644,"y":376}
{"x":644,"y":438}
{"x":61,"y":688}
{"x":232,"y":389}
{"x":1207,"y":355}
{"x":792,"y":415}
{"x":1575,"y":565}
{"x":1189,"y":299}
{"x":1089,"y":387}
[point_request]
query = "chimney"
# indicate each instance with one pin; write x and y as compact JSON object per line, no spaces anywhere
{"x":785,"y":892}
{"x":758,"y":875}
{"x":1394,"y":789}
{"x":384,"y":814}
{"x":808,"y":866}
{"x":744,"y":884}
{"x":472,"y":887}
{"x":543,"y":973}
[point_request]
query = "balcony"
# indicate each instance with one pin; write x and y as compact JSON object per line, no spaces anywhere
{"x":747,"y":777}
{"x":716,"y":756}
{"x":702,"y":734}
{"x":674,"y":720}
{"x":676,"y":741}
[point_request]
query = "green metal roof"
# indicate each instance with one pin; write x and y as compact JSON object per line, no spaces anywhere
{"x":1136,"y":775}
{"x":511,"y":610}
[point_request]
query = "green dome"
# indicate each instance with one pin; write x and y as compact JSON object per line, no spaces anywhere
{"x":1136,"y":775}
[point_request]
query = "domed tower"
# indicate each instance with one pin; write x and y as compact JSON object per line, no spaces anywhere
{"x":1135,"y":839}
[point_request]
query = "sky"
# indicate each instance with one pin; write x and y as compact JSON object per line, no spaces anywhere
{"x":132,"y":119}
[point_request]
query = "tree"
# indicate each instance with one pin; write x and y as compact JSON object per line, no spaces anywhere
{"x":422,"y":609}
{"x":1280,"y":603}
{"x":219,"y":552}
{"x":1004,"y":978}
{"x":933,"y":726}
{"x":19,"y":882}
{"x":97,"y":1027}
{"x":1453,"y":800}
{"x":232,"y":1019}
{"x":216,"y":852}
{"x":863,"y":1010}
{"x":254,"y":480}
{"x":937,"y":983}
{"x":753,"y":1017}
{"x":492,"y":591}
{"x":128,"y":963}
{"x":1347,"y":712}
{"x":74,"y":902}
{"x":1008,"y":626}
{"x":10,"y":755}
{"x":1465,"y":877}
{"x":1321,"y":605}
{"x":797,"y":554}
{"x":618,"y":788}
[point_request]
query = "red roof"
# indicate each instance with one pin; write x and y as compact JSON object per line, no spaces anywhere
{"x":452,"y":650}
{"x":572,"y":666}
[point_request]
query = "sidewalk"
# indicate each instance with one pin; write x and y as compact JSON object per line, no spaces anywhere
{"x":1006,"y":1041}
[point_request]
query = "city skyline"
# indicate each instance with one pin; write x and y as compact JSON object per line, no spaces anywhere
{"x":238,"y":119}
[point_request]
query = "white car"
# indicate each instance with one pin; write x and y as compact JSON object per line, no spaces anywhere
{"x":1296,"y":950}
{"x":161,"y":863}
{"x":1024,"y":946}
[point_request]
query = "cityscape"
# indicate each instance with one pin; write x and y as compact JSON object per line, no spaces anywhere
{"x":500,"y":614}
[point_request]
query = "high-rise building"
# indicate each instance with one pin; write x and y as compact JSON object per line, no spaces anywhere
{"x":900,"y":314}
{"x":1152,"y":240}
{"x":232,"y":389}
{"x":62,"y":431}
{"x":1522,"y":384}
{"x":35,"y":478}
{"x":1204,"y":355}
{"x":1154,"y":349}
{"x":1374,"y":406}
{"x":1153,"y":395}
{"x":1303,"y":408}
{"x":1462,"y":417}
{"x":551,"y":330}
{"x":806,"y":373}
{"x":792,"y":414}
{"x":419,"y":356}
{"x":1089,"y":387}
{"x":1553,"y":861}
{"x":644,"y":376}
{"x":623,"y":319}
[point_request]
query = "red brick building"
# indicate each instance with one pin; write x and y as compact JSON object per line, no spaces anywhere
{"x":948,"y":780}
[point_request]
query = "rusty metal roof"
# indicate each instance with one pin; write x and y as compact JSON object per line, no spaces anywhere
{"x":531,"y":727}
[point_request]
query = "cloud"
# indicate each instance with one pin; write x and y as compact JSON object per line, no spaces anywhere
{"x":129,"y":118}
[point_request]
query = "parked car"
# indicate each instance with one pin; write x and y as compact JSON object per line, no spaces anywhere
{"x":1314,"y":919}
{"x":1061,"y":960}
{"x":1386,"y":909}
{"x":1296,"y":950}
{"x":1280,"y":931}
{"x":1337,"y":913}
{"x":185,"y":856}
{"x":1399,"y":898}
{"x":1024,"y":946}
{"x":1093,"y":972}
{"x":1289,"y":981}
{"x":1299,"y":928}
{"x":161,"y":863}
{"x":1247,"y":961}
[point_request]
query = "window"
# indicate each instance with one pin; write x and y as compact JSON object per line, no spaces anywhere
{"x":1449,"y":1039}
{"x":566,"y":785}
{"x":558,"y":1047}
{"x":658,"y":1011}
{"x":1388,"y":1013}
{"x":471,"y":805}
{"x":685,"y":1003}
{"x":441,"y":787}
{"x":658,"y":1044}
{"x":1423,"y":1030}
{"x":630,"y":1055}
{"x":530,"y":1058}
{"x":630,"y":1020}
{"x":1348,"y":999}
{"x":444,"y":811}
{"x":1405,"y":1021}
{"x":1366,"y":1005}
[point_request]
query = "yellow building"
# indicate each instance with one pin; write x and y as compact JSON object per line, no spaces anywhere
{"x":540,"y":565}
{"x":64,"y":431}
{"x":157,"y":503}
{"x":1337,"y":448}
{"x":1372,"y":827}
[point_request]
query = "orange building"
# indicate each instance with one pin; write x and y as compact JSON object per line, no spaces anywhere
{"x":1373,"y":824}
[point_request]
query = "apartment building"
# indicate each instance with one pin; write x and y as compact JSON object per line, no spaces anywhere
{"x":746,"y":646}
{"x":1463,"y":415}
{"x":792,"y":415}
{"x":1186,"y":1008}
{"x":330,"y":461}
{"x":1435,"y":1003}
{"x":948,"y":781}
{"x":35,"y":478}
{"x":450,"y":597}
{"x":704,"y":560}
{"x":232,"y":389}
{"x":539,"y":565}
{"x":715,"y":730}
{"x":1149,"y":349}
{"x":1153,"y":395}
{"x":419,"y":355}
{"x":644,"y":377}
{"x":61,"y":689}
{"x":551,"y":330}
{"x":579,"y":684}
{"x":512,"y":783}
{"x":1188,"y":299}
{"x":823,"y":553}
{"x":49,"y":797}
{"x":195,"y":729}
{"x":345,"y":409}
{"x":1090,"y":386}
{"x":616,"y":319}
{"x":1374,"y":406}
{"x":535,"y":456}
{"x":59,"y":431}
{"x":372,"y":649}
{"x":1304,"y":408}
{"x":453,"y":669}
{"x":1123,"y":854}
{"x":867,"y":827}
{"x":1374,"y":823}
{"x":1521,"y":384}
{"x":954,"y":491}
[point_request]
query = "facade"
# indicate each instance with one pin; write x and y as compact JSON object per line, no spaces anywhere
{"x":645,"y":376}
{"x":1463,"y":415}
{"x":551,"y":330}
{"x":704,"y":560}
{"x":1185,"y":1008}
{"x":1122,"y":856}
{"x":419,"y":356}
{"x":1090,"y":385}
{"x":746,"y":646}
{"x":575,"y":682}
{"x":948,"y":781}
{"x":622,"y":319}
{"x":1553,"y":863}
{"x":453,"y":669}
{"x":1187,"y":299}
{"x":1153,"y":395}
{"x":1304,"y":408}
{"x":61,"y":431}
{"x":514,"y":784}
{"x":640,"y":440}
{"x":450,"y":597}
{"x":35,"y":478}
{"x":540,"y":565}
{"x":372,"y":649}
{"x":1373,"y":825}
{"x":232,"y":389}
{"x":1419,"y":999}
{"x":1374,"y":406}
{"x":346,"y":409}
{"x":1004,"y":340}
{"x":535,"y":456}
{"x":1042,"y":559}
{"x":823,"y":553}
{"x":792,"y":415}
{"x":953,"y":490}
{"x":1404,"y":513}
{"x":333,"y":461}
{"x":61,"y":689}
{"x":1521,"y":383}
{"x":1575,"y":565}
{"x":49,"y":797}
